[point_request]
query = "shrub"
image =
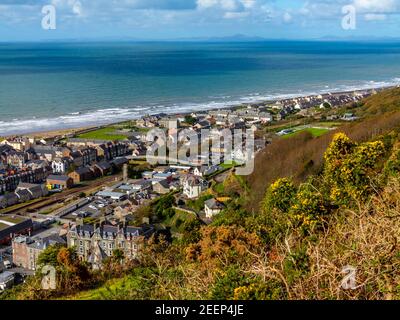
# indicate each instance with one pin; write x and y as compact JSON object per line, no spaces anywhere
{"x":260,"y":290}
{"x":350,"y":168}
{"x":392,"y":166}
{"x":280,"y":195}
{"x":309,"y":208}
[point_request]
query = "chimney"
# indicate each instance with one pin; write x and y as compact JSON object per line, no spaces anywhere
{"x":123,"y":222}
{"x":125,"y":173}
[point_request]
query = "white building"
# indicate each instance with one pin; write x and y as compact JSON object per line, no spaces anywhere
{"x":213,"y":207}
{"x":60,"y":165}
{"x":205,"y":170}
{"x":193,"y":186}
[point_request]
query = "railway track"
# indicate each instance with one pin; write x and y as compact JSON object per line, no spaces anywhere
{"x":61,"y":197}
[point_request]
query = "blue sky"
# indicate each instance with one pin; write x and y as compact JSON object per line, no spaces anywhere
{"x":174,"y":19}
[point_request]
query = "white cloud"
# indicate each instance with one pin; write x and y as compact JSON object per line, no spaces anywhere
{"x":376,"y":6}
{"x":374,"y":17}
{"x":287,"y":17}
{"x":236,"y":15}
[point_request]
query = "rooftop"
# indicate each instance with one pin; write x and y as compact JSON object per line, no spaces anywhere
{"x":58,"y":178}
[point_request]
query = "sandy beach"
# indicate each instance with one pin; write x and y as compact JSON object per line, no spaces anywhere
{"x":62,"y":132}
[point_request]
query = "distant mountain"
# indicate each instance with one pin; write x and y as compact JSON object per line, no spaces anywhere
{"x":233,"y":38}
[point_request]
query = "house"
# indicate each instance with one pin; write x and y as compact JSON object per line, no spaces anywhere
{"x":96,"y":243}
{"x":89,"y":155}
{"x":203,"y":124}
{"x":104,"y":167}
{"x":7,"y":279}
{"x":265,"y":117}
{"x":141,"y":185}
{"x":3,"y":202}
{"x":349,"y":117}
{"x":147,"y":175}
{"x":111,"y":150}
{"x":61,"y":165}
{"x":26,"y":250}
{"x":23,"y":195}
{"x":113,"y":195}
{"x":81,"y":174}
{"x":162,"y":176}
{"x":77,"y":158}
{"x":213,"y":207}
{"x":49,"y":153}
{"x":118,"y":163}
{"x":17,"y":159}
{"x":8,"y":199}
{"x":19,"y":144}
{"x":59,"y":182}
{"x":205,"y":170}
{"x":161,"y":187}
{"x":36,"y":190}
{"x":193,"y":186}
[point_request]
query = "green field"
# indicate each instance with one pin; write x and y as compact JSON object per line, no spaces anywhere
{"x":316,"y":132}
{"x":102,"y":134}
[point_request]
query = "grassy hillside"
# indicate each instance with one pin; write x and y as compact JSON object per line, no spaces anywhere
{"x":300,"y":156}
{"x":384,"y":102}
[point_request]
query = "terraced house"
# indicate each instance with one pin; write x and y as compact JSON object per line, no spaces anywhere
{"x":94,"y":243}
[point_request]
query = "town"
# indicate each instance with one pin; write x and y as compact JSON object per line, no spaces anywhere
{"x":85,"y":189}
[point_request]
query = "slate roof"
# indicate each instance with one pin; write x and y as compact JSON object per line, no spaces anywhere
{"x":213,"y":204}
{"x":58,"y":178}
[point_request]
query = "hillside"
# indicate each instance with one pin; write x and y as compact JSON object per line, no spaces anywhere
{"x":319,"y":219}
{"x":302,"y":155}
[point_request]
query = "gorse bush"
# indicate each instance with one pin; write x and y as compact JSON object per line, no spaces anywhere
{"x":392,"y":167}
{"x":309,"y":208}
{"x":280,"y":195}
{"x":350,"y":168}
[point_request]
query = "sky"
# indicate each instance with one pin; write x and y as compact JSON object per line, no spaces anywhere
{"x":21,"y":20}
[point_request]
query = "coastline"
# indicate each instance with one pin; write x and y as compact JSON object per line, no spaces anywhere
{"x":63,"y":132}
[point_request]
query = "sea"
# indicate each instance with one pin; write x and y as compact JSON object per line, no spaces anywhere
{"x":47,"y":86}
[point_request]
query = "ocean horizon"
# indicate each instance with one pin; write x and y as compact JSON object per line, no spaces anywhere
{"x":48,"y":86}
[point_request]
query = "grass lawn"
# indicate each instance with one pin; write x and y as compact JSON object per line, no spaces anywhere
{"x":229,"y":164}
{"x":316,"y":132}
{"x":219,"y":188}
{"x":177,"y":221}
{"x":3,"y":226}
{"x":327,"y":124}
{"x":102,"y":134}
